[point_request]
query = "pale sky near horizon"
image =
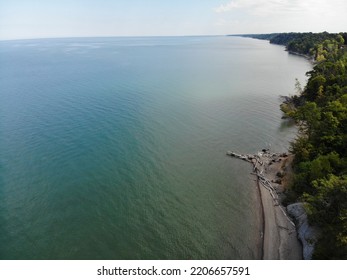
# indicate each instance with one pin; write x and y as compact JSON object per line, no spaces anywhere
{"x":22,"y":19}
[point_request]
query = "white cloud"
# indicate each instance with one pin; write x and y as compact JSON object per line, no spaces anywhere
{"x":267,"y":7}
{"x":227,"y":7}
{"x":261,"y":16}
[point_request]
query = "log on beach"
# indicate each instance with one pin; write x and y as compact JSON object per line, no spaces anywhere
{"x":278,"y":233}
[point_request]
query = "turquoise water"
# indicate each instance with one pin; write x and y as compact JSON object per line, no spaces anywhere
{"x":114,"y":148}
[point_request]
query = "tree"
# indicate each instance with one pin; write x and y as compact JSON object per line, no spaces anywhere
{"x":320,"y":163}
{"x":328,"y":209}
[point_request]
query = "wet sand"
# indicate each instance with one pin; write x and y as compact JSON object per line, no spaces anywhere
{"x":279,"y":235}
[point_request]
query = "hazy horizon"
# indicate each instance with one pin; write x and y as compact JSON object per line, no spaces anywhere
{"x":153,"y":36}
{"x":36,"y":19}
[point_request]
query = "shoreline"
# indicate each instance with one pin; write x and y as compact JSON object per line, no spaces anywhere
{"x":279,"y":235}
{"x":263,"y":224}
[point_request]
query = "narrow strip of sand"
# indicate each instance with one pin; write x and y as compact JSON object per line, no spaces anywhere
{"x":279,"y":234}
{"x":280,"y":237}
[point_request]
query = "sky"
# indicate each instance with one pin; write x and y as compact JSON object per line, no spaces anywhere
{"x":23,"y":19}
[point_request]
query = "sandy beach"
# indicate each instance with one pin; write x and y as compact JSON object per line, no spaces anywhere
{"x":279,"y":235}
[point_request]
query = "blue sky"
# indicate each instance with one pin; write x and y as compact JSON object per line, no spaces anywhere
{"x":70,"y":18}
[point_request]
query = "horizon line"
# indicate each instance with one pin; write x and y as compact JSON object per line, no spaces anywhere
{"x":153,"y":36}
{"x":111,"y":36}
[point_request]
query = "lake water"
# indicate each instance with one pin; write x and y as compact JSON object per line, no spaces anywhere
{"x":114,"y":148}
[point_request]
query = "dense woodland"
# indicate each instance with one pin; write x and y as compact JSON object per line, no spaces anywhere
{"x":320,"y":110}
{"x":301,"y":43}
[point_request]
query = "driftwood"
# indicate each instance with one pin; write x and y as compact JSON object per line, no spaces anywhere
{"x":259,"y":168}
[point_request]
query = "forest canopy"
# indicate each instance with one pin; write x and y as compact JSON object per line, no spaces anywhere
{"x":320,"y":110}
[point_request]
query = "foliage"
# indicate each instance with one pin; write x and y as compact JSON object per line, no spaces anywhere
{"x":328,"y":208}
{"x":320,"y":150}
{"x":303,"y":43}
{"x":320,"y":110}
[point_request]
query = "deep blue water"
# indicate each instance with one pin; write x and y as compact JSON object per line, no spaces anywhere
{"x":114,"y":148}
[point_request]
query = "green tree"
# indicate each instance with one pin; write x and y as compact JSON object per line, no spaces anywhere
{"x":320,"y":163}
{"x":328,"y":209}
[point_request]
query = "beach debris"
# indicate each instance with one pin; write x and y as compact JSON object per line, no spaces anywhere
{"x":260,"y":162}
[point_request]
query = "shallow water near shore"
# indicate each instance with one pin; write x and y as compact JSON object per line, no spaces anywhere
{"x":114,"y":148}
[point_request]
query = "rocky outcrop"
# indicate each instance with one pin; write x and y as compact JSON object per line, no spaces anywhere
{"x":307,"y":234}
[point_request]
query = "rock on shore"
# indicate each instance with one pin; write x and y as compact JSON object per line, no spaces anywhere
{"x":307,"y":234}
{"x":279,"y":235}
